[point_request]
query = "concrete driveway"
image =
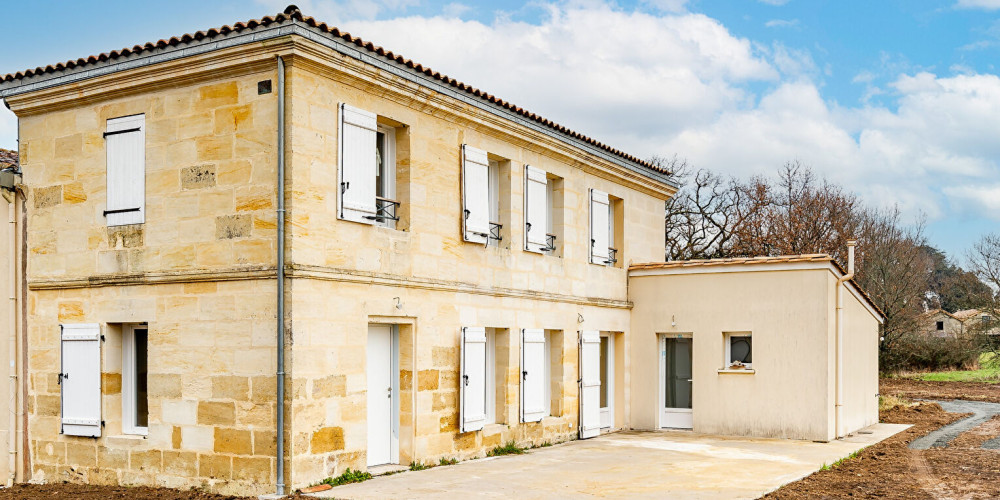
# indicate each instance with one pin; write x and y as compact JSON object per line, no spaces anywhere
{"x":672,"y":464}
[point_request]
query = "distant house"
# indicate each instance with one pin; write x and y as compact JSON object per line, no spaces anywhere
{"x":978,"y":321}
{"x":940,"y":323}
{"x":8,"y":159}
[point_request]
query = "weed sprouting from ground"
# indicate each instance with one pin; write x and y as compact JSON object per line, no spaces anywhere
{"x":349,"y":476}
{"x":511,"y":448}
{"x":447,"y":461}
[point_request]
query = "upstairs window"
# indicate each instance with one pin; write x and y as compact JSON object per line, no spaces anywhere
{"x":940,"y":325}
{"x":367,"y":169}
{"x":125,"y":142}
{"x":481,"y":196}
{"x":542,"y":211}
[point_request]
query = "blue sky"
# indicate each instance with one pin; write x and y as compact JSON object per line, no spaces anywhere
{"x":898,"y":100}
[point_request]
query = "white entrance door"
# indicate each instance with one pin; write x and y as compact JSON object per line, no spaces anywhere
{"x":383,"y":436}
{"x":607,"y":381}
{"x":675,"y":382}
{"x":590,"y":383}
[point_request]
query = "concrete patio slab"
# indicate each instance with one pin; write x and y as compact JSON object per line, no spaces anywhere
{"x":677,"y":464}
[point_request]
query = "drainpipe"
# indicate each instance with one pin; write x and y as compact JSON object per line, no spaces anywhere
{"x":11,"y":198}
{"x":840,"y":333}
{"x":280,"y":472}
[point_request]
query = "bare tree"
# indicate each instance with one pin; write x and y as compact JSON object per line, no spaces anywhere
{"x":702,"y":217}
{"x":894,"y":270}
{"x":984,"y":258}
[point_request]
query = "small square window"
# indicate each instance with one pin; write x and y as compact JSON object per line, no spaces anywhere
{"x":940,"y":325}
{"x":739,"y":350}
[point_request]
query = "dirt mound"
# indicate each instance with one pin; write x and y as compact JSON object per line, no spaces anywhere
{"x":891,"y":470}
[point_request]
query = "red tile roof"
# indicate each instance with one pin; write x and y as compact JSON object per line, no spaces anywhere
{"x":780,"y":259}
{"x":8,"y":158}
{"x":292,"y":13}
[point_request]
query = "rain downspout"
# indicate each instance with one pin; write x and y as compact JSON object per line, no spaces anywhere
{"x":11,"y":197}
{"x":840,"y":334}
{"x":280,"y":462}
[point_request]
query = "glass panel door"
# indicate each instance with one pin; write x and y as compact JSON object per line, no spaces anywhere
{"x":676,"y":359}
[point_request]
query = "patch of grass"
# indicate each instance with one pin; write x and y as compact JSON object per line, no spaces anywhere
{"x":447,"y":461}
{"x":511,"y":448}
{"x":889,"y":402}
{"x":349,"y":476}
{"x":419,"y":466}
{"x":988,"y":372}
{"x":838,"y":463}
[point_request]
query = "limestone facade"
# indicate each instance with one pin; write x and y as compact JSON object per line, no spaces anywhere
{"x":199,"y":272}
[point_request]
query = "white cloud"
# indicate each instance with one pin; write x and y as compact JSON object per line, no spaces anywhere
{"x":983,"y":198}
{"x":455,"y":9}
{"x":667,"y":5}
{"x":782,"y":23}
{"x":978,"y":4}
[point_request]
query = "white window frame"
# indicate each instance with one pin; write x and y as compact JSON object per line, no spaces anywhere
{"x":129,"y":409}
{"x":548,"y":374}
{"x":727,"y":340}
{"x":491,"y":385}
{"x":494,"y":190}
{"x":389,"y":175}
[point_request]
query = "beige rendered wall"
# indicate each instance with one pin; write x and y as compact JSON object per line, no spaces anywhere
{"x":198,"y":271}
{"x":788,"y":314}
{"x":861,"y":334}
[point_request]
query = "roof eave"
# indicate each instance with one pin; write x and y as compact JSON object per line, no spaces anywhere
{"x":295,"y":27}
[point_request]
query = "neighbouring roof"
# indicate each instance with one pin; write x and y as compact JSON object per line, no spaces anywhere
{"x":969,"y":313}
{"x":292,"y":14}
{"x":742,"y":261}
{"x":8,"y":158}
{"x":940,"y":311}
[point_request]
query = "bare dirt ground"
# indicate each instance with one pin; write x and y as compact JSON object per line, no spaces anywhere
{"x":890,"y":469}
{"x":87,"y":492}
{"x":921,"y":389}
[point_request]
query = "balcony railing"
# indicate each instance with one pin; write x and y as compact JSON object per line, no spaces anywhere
{"x":385,"y":210}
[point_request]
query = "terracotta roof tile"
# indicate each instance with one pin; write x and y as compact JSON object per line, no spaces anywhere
{"x":293,"y":13}
{"x":8,"y":158}
{"x":781,"y":259}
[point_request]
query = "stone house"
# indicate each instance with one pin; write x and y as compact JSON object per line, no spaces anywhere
{"x":261,"y":254}
{"x":978,"y":321}
{"x":941,"y":323}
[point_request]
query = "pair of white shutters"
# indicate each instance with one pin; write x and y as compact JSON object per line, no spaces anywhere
{"x":536,"y":209}
{"x":600,"y":227}
{"x":80,"y":379}
{"x":125,"y":142}
{"x":358,"y":164}
{"x":534,"y":404}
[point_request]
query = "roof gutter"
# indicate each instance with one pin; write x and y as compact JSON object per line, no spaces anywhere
{"x":289,"y":27}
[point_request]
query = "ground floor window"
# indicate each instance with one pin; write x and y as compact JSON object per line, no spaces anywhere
{"x":135,"y":360}
{"x":739,"y":350}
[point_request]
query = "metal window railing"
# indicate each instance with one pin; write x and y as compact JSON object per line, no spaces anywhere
{"x":385,"y":210}
{"x":612,"y":256}
{"x":550,"y":243}
{"x":495,"y":228}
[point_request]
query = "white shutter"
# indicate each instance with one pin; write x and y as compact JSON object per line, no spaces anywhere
{"x":599,"y":227}
{"x":473,"y":383}
{"x":80,"y":379}
{"x":125,"y":142}
{"x":590,"y":383}
{"x":533,"y":379}
{"x":535,"y":208}
{"x":358,"y":132}
{"x":475,"y":194}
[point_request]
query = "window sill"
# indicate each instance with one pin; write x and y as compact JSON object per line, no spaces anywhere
{"x":750,"y":371}
{"x":126,"y":440}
